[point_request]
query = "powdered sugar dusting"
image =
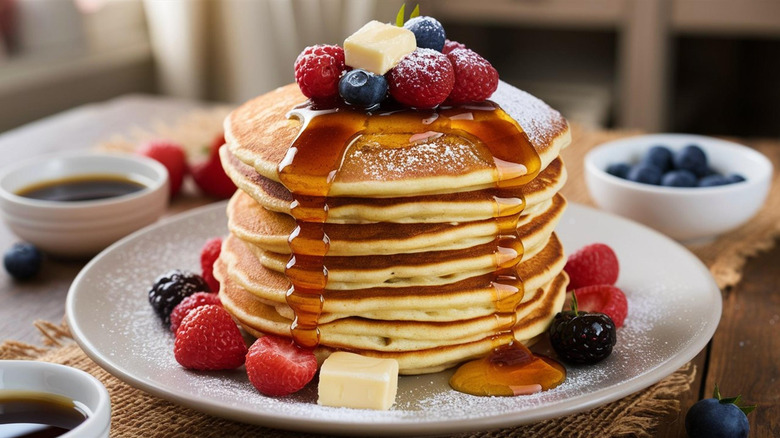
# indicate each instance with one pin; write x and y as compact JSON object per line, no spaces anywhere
{"x":540,"y":122}
{"x":670,"y":316}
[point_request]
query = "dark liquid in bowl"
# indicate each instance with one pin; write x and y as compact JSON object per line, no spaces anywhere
{"x":37,"y":415}
{"x":82,"y":188}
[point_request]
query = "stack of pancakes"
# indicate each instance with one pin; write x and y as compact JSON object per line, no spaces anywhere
{"x":411,"y":220}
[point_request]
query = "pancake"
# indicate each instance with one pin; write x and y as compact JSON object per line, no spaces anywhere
{"x":447,"y":345}
{"x":453,"y":207}
{"x":269,"y":230}
{"x":259,"y":134}
{"x":423,"y":236}
{"x":240,"y":265}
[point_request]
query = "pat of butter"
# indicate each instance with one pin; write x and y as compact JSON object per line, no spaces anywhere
{"x":353,"y":381}
{"x":377,"y":47}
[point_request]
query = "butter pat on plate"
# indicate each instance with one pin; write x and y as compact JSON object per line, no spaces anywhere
{"x":353,"y":381}
{"x":377,"y":47}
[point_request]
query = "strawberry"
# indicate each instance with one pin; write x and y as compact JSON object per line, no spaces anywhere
{"x":208,"y":339}
{"x":278,"y":367}
{"x":209,"y":174}
{"x":171,"y":155}
{"x":603,"y":298}
{"x":318,"y":69}
{"x":422,"y":79}
{"x":592,"y":264}
{"x":475,"y":77}
{"x":191,"y":302}
{"x":208,"y":255}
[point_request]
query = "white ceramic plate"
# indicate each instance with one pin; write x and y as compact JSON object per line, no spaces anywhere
{"x":674,"y":308}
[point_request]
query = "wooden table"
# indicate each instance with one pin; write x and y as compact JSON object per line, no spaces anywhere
{"x":744,"y":355}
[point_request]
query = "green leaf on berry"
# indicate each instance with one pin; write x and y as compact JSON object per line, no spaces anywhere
{"x":737,"y":401}
{"x":399,"y":18}
{"x":415,"y":12}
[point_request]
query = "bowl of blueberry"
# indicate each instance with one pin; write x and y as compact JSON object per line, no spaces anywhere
{"x":688,"y":187}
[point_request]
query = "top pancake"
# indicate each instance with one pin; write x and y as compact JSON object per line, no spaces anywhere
{"x":259,"y":133}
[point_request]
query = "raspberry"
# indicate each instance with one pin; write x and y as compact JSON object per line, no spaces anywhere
{"x":208,"y":255}
{"x":208,"y":339}
{"x":422,"y":79}
{"x":191,"y":302}
{"x":171,"y":155}
{"x":318,"y":69}
{"x":209,"y":175}
{"x":475,"y":77}
{"x":603,"y":298}
{"x":170,"y":288}
{"x":277,"y":367}
{"x":450,"y":45}
{"x":592,"y":264}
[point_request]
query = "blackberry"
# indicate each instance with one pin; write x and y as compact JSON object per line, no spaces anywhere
{"x":170,"y":288}
{"x":581,"y":337}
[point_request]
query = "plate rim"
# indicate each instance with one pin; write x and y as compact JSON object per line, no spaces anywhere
{"x":392,"y":426}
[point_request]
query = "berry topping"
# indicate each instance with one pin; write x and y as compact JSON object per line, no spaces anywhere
{"x":593,"y":264}
{"x":208,"y":255}
{"x":278,"y":367}
{"x":450,"y":45}
{"x":679,"y":178}
{"x":691,"y":158}
{"x":318,"y":69}
{"x":718,"y":417}
{"x":619,"y":170}
{"x":660,"y":157}
{"x":581,"y":337}
{"x":475,"y":77}
{"x":643,"y":173}
{"x":191,"y":302}
{"x":362,"y":88}
{"x":22,"y":260}
{"x":208,"y":339}
{"x":428,"y":32}
{"x":422,"y":79}
{"x":210,"y":176}
{"x":171,"y":155}
{"x":602,"y":298}
{"x":170,"y":288}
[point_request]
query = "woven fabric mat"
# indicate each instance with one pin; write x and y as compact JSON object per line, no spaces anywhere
{"x":136,"y":413}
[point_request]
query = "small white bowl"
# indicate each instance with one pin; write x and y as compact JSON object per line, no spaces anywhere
{"x":685,"y":214}
{"x":87,"y":392}
{"x":77,"y":229}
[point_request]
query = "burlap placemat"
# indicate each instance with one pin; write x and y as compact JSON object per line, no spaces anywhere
{"x":136,"y":413}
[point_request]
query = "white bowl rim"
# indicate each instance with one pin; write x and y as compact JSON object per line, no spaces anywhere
{"x":101,"y":413}
{"x":161,"y":176}
{"x":764,"y":171}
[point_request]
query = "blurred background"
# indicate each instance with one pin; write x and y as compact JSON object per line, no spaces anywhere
{"x":700,"y":66}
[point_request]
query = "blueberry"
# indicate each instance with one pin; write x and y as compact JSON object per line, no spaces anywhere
{"x":713,"y":180}
{"x":619,"y":170}
{"x":22,"y":261}
{"x":643,"y":173}
{"x":712,"y":418}
{"x":428,"y":32}
{"x":679,"y":178}
{"x":361,"y":88}
{"x":691,"y":158}
{"x":660,"y":157}
{"x":734,"y":178}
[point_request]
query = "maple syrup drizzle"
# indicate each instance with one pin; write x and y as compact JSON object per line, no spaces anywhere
{"x":313,"y":161}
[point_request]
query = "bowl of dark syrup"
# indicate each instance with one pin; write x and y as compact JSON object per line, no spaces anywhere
{"x":49,"y":400}
{"x":75,"y":204}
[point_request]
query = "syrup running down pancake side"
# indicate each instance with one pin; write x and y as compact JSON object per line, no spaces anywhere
{"x":312,"y":164}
